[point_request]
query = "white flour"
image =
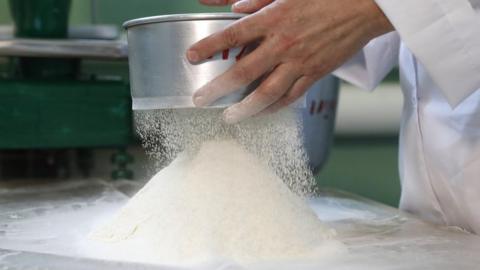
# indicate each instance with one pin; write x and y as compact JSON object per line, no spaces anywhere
{"x":276,"y":139}
{"x":220,"y":203}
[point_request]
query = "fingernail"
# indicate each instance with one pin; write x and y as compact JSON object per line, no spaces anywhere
{"x":241,"y":4}
{"x":230,"y":116}
{"x":199,"y":101}
{"x":193,"y":56}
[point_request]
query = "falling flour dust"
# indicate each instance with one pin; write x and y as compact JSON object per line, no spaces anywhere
{"x":223,"y":197}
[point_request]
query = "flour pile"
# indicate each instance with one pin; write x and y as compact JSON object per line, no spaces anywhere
{"x":217,"y":202}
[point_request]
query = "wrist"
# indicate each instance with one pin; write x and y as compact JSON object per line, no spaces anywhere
{"x":377,"y":22}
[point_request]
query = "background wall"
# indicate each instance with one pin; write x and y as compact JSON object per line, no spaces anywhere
{"x":365,"y":166}
{"x":364,"y":156}
{"x":119,"y":11}
{"x":134,"y":9}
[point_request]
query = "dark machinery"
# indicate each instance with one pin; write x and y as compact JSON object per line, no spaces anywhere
{"x":59,"y":99}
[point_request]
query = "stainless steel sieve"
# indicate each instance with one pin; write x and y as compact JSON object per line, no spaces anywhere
{"x":161,"y":77}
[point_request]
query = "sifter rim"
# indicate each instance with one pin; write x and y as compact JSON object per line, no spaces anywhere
{"x":182,"y":18}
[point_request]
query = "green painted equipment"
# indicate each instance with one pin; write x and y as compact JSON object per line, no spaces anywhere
{"x":45,"y":19}
{"x":51,"y":101}
{"x":40,"y":18}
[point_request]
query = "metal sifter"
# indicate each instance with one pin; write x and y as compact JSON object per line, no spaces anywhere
{"x":162,"y":78}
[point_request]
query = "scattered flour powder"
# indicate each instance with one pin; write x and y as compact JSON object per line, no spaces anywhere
{"x":217,"y":202}
{"x":277,"y":139}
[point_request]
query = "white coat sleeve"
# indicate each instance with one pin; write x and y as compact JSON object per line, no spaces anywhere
{"x":370,"y":66}
{"x":444,"y":36}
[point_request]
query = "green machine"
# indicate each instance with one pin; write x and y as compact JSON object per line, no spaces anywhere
{"x":50,"y":103}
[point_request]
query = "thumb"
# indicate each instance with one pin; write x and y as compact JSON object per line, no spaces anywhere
{"x":249,"y":6}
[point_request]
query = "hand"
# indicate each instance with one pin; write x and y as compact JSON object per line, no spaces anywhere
{"x":300,"y":42}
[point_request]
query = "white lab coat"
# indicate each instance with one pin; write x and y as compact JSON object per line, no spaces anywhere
{"x":437,"y":46}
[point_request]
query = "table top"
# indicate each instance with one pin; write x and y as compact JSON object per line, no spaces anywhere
{"x":43,"y":226}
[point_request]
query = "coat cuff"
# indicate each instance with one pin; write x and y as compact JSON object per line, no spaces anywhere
{"x":373,"y":63}
{"x":444,"y":36}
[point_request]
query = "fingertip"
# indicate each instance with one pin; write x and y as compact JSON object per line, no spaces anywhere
{"x":199,"y":101}
{"x":241,"y":6}
{"x":193,"y":56}
{"x":235,"y":10}
{"x":231,"y":116}
{"x":240,"y":10}
{"x":200,"y":98}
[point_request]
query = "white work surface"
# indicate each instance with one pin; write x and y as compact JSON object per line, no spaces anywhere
{"x":44,"y":227}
